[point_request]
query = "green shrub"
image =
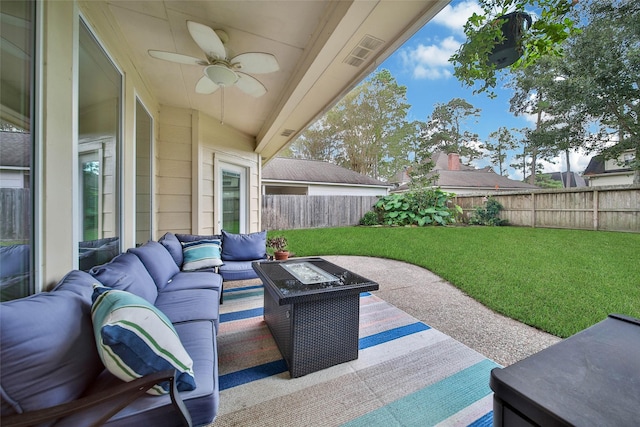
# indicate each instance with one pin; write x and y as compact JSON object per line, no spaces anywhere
{"x":370,"y":218}
{"x":489,"y":214}
{"x":420,"y":207}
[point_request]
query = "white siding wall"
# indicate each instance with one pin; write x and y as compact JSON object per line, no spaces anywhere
{"x":188,"y":145}
{"x":173,"y":171}
{"x":11,"y":179}
{"x":338,"y":190}
{"x":622,"y":179}
{"x":222,"y":143}
{"x":175,"y":208}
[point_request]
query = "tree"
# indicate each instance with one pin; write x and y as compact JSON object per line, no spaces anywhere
{"x":316,"y":143}
{"x":529,"y":159}
{"x":366,"y":131}
{"x":595,"y":83}
{"x":545,"y":38}
{"x":444,"y":130}
{"x":536,"y":90}
{"x":602,"y":66}
{"x":500,"y":142}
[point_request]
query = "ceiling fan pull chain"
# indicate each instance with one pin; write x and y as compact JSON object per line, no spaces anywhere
{"x":222,"y":105}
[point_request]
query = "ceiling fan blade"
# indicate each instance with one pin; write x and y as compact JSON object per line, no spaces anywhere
{"x":205,"y":86}
{"x":257,"y":62}
{"x":207,"y":39}
{"x":177,"y":57}
{"x":250,"y":85}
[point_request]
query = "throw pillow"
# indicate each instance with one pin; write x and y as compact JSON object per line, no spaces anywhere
{"x":135,"y":339}
{"x":127,"y":273}
{"x":158,"y":262}
{"x":244,"y":247}
{"x":173,"y":246}
{"x":201,"y":254}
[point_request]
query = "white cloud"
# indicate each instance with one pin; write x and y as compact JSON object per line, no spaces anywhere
{"x":578,"y":162}
{"x":430,"y":61}
{"x":454,"y":17}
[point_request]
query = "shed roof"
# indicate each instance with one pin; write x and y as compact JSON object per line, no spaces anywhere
{"x":299,"y":170}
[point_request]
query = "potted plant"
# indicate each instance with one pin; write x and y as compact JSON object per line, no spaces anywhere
{"x":278,"y":245}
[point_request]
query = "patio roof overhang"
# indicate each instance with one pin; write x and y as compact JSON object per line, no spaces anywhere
{"x":324,"y":49}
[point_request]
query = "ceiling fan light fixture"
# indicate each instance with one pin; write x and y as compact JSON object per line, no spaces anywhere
{"x":221,"y":75}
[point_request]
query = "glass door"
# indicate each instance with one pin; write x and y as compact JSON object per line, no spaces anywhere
{"x":232,"y":206}
{"x":99,"y":160}
{"x":91,"y":196}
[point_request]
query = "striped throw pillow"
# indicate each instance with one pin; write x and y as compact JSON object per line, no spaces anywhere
{"x":135,"y":339}
{"x":201,"y":254}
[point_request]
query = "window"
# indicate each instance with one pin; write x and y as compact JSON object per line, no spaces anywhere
{"x":99,"y":125}
{"x":144,"y":166}
{"x":628,"y":159}
{"x":16,"y":148}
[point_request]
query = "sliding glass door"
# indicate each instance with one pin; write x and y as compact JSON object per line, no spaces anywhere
{"x":99,"y":158}
{"x":17,"y":148}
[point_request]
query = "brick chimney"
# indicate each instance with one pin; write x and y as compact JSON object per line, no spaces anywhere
{"x":454,"y":161}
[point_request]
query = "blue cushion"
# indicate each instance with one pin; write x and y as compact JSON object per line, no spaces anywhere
{"x":172,"y":244}
{"x":193,"y":237}
{"x":14,"y":260}
{"x":157,"y":261}
{"x":244,"y":247}
{"x":47,"y":348}
{"x":202,"y":279}
{"x":199,"y":340}
{"x":135,"y":339}
{"x":127,"y":273}
{"x":201,"y":254}
{"x":237,"y":270}
{"x":190,"y":304}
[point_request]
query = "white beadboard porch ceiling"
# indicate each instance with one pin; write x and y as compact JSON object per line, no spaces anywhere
{"x":313,"y":42}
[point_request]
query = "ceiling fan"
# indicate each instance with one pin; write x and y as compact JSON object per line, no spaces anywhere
{"x":220,"y":71}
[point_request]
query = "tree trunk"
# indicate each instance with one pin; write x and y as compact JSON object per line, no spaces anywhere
{"x":568,"y":178}
{"x":534,"y":151}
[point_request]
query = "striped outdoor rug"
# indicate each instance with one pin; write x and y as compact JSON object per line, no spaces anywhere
{"x":407,"y":374}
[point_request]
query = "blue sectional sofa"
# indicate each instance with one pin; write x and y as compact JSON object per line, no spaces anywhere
{"x":53,"y":353}
{"x":238,"y":252}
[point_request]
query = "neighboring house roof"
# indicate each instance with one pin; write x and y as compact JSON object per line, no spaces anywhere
{"x":575,"y":180}
{"x":298,"y":170}
{"x":453,"y":174}
{"x":478,"y":178}
{"x":15,"y":149}
{"x":597,"y":166}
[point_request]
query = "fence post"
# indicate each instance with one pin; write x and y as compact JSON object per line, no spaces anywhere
{"x":595,"y":210}
{"x":533,"y":210}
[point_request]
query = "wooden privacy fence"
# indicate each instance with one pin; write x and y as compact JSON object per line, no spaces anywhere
{"x":15,"y":214}
{"x":590,"y":208}
{"x":286,"y":212}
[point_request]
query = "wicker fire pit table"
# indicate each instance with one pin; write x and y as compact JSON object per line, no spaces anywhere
{"x":312,"y":308}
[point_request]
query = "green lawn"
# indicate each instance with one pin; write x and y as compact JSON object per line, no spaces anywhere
{"x":560,"y":281}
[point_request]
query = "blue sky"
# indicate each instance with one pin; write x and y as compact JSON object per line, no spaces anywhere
{"x":421,"y":65}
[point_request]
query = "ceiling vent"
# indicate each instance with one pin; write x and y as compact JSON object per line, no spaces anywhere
{"x":363,"y":50}
{"x":287,"y":133}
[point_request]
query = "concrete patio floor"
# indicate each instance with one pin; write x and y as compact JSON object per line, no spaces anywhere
{"x":434,"y":301}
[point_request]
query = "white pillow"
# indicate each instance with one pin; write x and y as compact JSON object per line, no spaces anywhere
{"x":135,"y":339}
